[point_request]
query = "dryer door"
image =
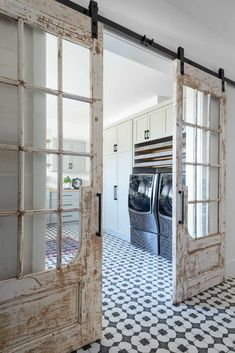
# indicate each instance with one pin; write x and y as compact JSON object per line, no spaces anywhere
{"x":140,"y":193}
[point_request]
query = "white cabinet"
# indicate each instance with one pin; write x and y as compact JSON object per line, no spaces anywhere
{"x":154,"y":124}
{"x":70,"y":163}
{"x":168,"y":120}
{"x":117,"y":170}
{"x":118,"y":138}
{"x":140,"y":128}
{"x":70,"y":199}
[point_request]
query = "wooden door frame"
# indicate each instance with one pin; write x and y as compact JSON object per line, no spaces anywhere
{"x":185,"y":284}
{"x":76,"y":287}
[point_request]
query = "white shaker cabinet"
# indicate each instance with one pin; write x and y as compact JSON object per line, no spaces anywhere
{"x":117,"y":169}
{"x":140,"y":128}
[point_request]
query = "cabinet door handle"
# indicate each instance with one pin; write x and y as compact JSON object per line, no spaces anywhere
{"x":145,"y":134}
{"x":148,"y":134}
{"x":115,"y":148}
{"x":115,"y":192}
{"x":181,"y":221}
{"x":99,"y":195}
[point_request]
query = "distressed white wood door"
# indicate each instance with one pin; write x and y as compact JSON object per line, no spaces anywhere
{"x":50,"y":90}
{"x":199,"y":182}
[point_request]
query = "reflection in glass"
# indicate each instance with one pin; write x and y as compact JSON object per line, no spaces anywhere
{"x":76,"y":69}
{"x":202,"y":146}
{"x":8,"y":115}
{"x":214,"y":112}
{"x":189,"y":106}
{"x":189,"y":180}
{"x":8,"y":180}
{"x":40,"y":58}
{"x":202,"y":109}
{"x":40,"y":181}
{"x":214,"y":218}
{"x":191,"y":219}
{"x":76,"y":125}
{"x":70,"y":236}
{"x":214,"y":183}
{"x":9,"y":48}
{"x":188,"y":144}
{"x":202,"y":219}
{"x":214,"y":148}
{"x":40,"y":120}
{"x":8,"y":247}
{"x":202,"y":182}
{"x":35,"y":235}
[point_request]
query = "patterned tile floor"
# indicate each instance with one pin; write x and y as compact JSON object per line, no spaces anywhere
{"x":69,"y":243}
{"x":138,"y":314}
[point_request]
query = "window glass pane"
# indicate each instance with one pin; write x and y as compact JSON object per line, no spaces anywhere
{"x":191,"y":220}
{"x":189,"y":180}
{"x":39,"y":243}
{"x":40,"y":181}
{"x":51,"y":242}
{"x":202,"y":146}
{"x":189,"y":106}
{"x":8,"y":48}
{"x":8,"y":247}
{"x":70,"y":236}
{"x":40,"y":120}
{"x":8,"y":180}
{"x":202,"y":109}
{"x":214,"y":112}
{"x":76,"y":69}
{"x":40,"y":58}
{"x":214,"y":218}
{"x":76,"y":173}
{"x":214,"y":148}
{"x":202,"y":182}
{"x":214,"y":183}
{"x":202,"y":219}
{"x":189,"y":144}
{"x":8,"y":115}
{"x":76,"y":125}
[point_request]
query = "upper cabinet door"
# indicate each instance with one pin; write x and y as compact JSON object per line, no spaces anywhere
{"x":140,"y":128}
{"x":168,"y":120}
{"x":124,"y":134}
{"x":110,"y":141}
{"x":156,"y":124}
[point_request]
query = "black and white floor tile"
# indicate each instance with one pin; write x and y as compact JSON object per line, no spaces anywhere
{"x":70,"y":238}
{"x":138,"y":314}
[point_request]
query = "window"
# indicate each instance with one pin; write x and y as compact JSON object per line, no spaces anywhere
{"x":201,"y":161}
{"x":45,"y":127}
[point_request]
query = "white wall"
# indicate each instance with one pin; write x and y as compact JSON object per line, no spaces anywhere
{"x":169,"y":26}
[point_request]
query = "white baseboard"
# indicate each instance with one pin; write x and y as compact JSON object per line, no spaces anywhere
{"x":230,"y":269}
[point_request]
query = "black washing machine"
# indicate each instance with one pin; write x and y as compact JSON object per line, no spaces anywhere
{"x":165,"y":215}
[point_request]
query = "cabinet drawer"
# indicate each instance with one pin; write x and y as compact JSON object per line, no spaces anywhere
{"x":66,"y":197}
{"x":65,"y":204}
{"x":66,"y":217}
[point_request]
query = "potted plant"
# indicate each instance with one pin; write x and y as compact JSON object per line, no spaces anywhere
{"x":67,"y":182}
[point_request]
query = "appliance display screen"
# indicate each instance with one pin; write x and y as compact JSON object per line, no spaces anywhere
{"x":140,"y":193}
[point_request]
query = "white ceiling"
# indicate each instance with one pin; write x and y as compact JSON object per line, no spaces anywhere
{"x":216,"y":15}
{"x":132,"y":77}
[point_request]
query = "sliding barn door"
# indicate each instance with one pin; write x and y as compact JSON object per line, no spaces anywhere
{"x":199,"y":182}
{"x":50,"y":177}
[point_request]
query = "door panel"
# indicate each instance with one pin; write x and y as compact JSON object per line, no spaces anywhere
{"x":140,"y":126}
{"x":50,"y":308}
{"x":156,"y":124}
{"x":110,"y":139}
{"x":199,"y":182}
{"x":124,"y":132}
{"x":168,"y":120}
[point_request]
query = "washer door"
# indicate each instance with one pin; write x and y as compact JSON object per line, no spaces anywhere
{"x":165,"y":195}
{"x":140,"y":193}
